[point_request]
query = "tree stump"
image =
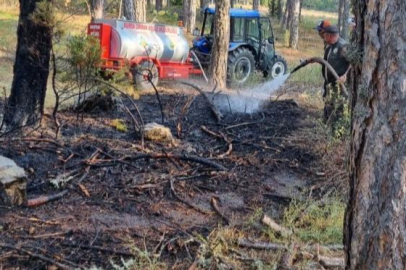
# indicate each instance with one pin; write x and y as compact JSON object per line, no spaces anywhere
{"x":13,"y":183}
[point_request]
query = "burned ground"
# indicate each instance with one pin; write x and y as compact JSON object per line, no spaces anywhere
{"x":125,"y":194}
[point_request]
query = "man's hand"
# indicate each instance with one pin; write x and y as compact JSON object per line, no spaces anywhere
{"x":342,"y":79}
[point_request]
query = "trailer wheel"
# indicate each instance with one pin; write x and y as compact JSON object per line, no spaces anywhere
{"x":278,"y":68}
{"x":240,"y":67}
{"x":145,"y":73}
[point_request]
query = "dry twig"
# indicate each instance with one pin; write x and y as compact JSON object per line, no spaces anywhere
{"x":45,"y":199}
{"x":216,"y":208}
{"x":268,"y":221}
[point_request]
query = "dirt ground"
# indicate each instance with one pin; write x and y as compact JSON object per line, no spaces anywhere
{"x":124,"y":194}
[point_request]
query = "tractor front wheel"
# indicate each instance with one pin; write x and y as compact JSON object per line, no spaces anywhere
{"x":145,"y":74}
{"x":241,"y":66}
{"x":278,"y":68}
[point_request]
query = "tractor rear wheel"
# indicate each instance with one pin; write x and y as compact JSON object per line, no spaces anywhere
{"x":241,"y":66}
{"x":144,"y":75}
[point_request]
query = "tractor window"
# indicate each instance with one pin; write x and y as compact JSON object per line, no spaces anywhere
{"x":266,"y":30}
{"x":208,"y":27}
{"x":252,"y":29}
{"x":237,"y":29}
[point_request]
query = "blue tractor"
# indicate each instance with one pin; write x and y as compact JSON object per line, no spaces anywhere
{"x":251,"y":46}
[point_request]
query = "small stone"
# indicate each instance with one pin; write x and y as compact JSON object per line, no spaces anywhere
{"x":31,"y":231}
{"x":157,"y":133}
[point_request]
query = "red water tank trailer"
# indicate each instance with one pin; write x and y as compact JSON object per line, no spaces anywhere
{"x":152,"y":51}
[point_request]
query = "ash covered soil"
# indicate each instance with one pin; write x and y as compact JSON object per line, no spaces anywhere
{"x":120,"y":194}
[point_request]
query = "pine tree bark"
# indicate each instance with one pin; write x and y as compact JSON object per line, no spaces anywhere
{"x":344,"y":20}
{"x":128,"y":10}
{"x":294,"y":24}
{"x":280,"y":11}
{"x":25,"y":104}
{"x":375,"y":233}
{"x":300,"y":10}
{"x":158,"y":5}
{"x":255,"y":4}
{"x":204,"y":3}
{"x":219,"y":55}
{"x":140,"y":10}
{"x":340,"y":15}
{"x":286,"y":15}
{"x":273,"y":7}
{"x":189,"y":15}
{"x":97,"y":7}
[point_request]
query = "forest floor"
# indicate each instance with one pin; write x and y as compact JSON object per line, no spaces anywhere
{"x":195,"y":202}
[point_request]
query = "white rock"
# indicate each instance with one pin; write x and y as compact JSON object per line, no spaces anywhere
{"x":157,"y":133}
{"x":13,"y":182}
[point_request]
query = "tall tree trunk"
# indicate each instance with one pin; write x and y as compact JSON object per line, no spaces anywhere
{"x":300,"y":10}
{"x":294,"y":24}
{"x":189,"y":15}
{"x":204,"y":3}
{"x":31,"y":67}
{"x":140,"y":10}
{"x":219,"y":50}
{"x":280,"y":11}
{"x":158,"y":5}
{"x":273,"y":7}
{"x":255,"y":4}
{"x":375,"y":233}
{"x":344,"y":19}
{"x":340,"y":14}
{"x":128,"y":10}
{"x":289,"y":15}
{"x":232,"y":3}
{"x":285,"y":18}
{"x":97,"y":7}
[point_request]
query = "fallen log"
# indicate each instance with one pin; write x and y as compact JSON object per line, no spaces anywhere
{"x":328,"y":262}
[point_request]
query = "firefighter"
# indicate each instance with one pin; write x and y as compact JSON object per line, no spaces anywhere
{"x":335,"y":55}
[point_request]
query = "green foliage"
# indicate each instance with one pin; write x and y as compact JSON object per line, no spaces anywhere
{"x":176,"y":2}
{"x":84,"y":51}
{"x":44,"y":14}
{"x":324,"y":5}
{"x":339,"y":118}
{"x":320,"y":222}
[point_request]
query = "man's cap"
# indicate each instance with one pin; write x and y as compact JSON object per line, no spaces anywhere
{"x":322,"y":25}
{"x":332,"y":29}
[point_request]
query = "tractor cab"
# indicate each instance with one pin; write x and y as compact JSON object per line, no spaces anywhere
{"x":251,"y":45}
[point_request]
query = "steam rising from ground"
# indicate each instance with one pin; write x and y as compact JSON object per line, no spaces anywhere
{"x":249,"y":100}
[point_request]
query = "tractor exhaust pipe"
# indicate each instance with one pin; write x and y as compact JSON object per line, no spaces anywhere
{"x":322,"y":62}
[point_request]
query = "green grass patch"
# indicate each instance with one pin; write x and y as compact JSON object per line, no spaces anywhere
{"x":318,"y":222}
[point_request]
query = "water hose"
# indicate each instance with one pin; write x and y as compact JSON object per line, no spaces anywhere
{"x":200,"y":65}
{"x":322,"y":62}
